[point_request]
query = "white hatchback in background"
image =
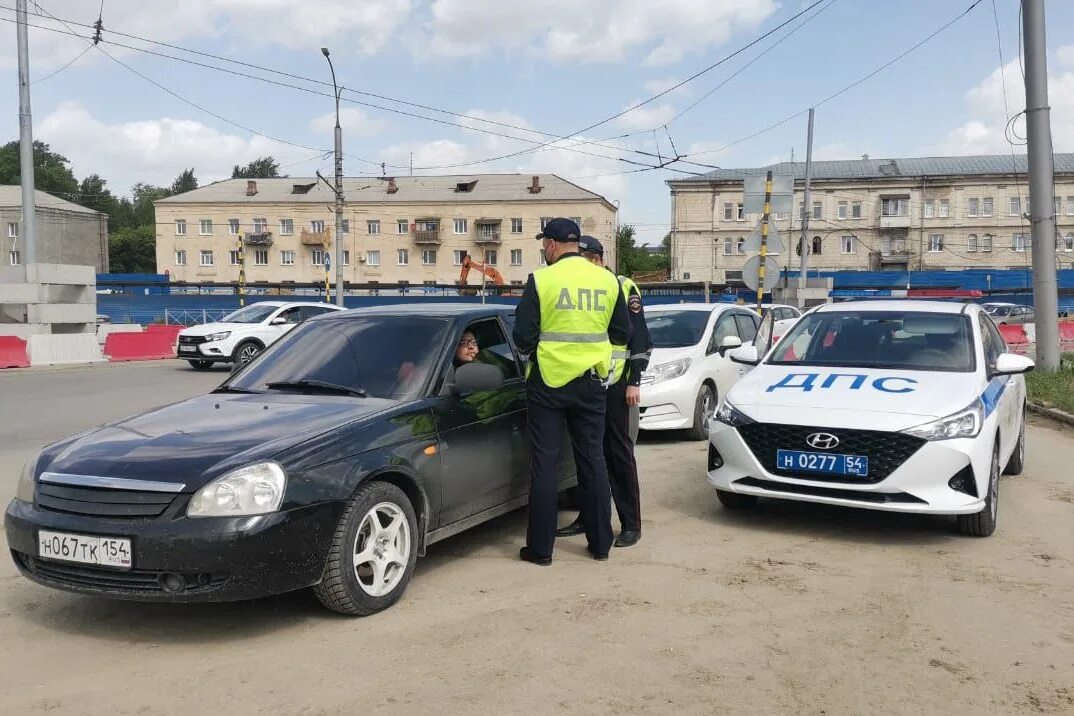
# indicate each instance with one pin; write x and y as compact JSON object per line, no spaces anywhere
{"x":240,"y":336}
{"x":689,"y":370}
{"x":905,"y":406}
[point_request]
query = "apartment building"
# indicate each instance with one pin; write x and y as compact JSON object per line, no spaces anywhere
{"x":396,"y":230}
{"x":66,"y":233}
{"x":930,"y":213}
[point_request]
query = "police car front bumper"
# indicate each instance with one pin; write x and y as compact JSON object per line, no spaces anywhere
{"x":924,"y":483}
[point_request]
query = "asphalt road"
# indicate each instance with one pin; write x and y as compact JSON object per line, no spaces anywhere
{"x":788,"y":609}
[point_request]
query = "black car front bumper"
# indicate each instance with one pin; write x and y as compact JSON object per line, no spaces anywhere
{"x":182,"y":559}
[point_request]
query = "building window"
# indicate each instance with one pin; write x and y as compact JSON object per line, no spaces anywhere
{"x":898,"y":206}
{"x":490,"y":257}
{"x":971,"y":243}
{"x":841,"y":210}
{"x":13,"y":230}
{"x":930,"y":210}
{"x":460,"y":226}
{"x":402,"y":226}
{"x":261,"y":257}
{"x":728,"y":211}
{"x":541,"y":258}
{"x":986,"y":243}
{"x":741,"y":213}
{"x":848,"y":245}
{"x":516,"y":257}
{"x":206,"y":257}
{"x":236,"y":257}
{"x":372,"y":227}
{"x":1020,"y":242}
{"x":516,"y":226}
{"x":1068,"y":243}
{"x":372,"y":257}
{"x":428,"y":257}
{"x":1015,"y":206}
{"x":346,"y":257}
{"x":944,"y":209}
{"x":818,"y":245}
{"x":973,"y":207}
{"x":180,"y":257}
{"x":728,"y":247}
{"x":935,"y":243}
{"x":317,"y":226}
{"x":457,"y":257}
{"x":1070,"y":206}
{"x":986,"y":206}
{"x":317,"y":257}
{"x":855,"y":210}
{"x":180,"y":227}
{"x":205,"y":227}
{"x":740,"y":246}
{"x":402,"y":257}
{"x":345,"y":226}
{"x":544,"y":221}
{"x":233,"y":227}
{"x":818,"y":211}
{"x":1058,"y":204}
{"x":287,"y":227}
{"x":287,"y":258}
{"x":13,"y":257}
{"x":260,"y":226}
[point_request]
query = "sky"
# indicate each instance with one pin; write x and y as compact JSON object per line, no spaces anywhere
{"x":534,"y":81}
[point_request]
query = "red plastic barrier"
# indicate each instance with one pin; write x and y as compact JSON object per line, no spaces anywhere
{"x":170,"y":330}
{"x":13,"y":353}
{"x":1066,"y":331}
{"x":1014,"y":334}
{"x":151,"y":345}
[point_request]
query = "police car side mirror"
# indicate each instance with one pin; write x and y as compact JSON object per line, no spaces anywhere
{"x":729,"y":343}
{"x":744,"y":355}
{"x":1011,"y":364}
{"x":478,"y":376}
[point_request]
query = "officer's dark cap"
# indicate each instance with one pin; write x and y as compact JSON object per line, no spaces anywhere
{"x":591,"y":245}
{"x":560,"y":229}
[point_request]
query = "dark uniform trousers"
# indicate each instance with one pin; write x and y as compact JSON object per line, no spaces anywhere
{"x":578,"y":410}
{"x":619,"y":435}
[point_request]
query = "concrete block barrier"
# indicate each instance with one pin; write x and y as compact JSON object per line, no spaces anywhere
{"x":139,"y":346}
{"x":1014,"y":334}
{"x":170,"y":330}
{"x":13,"y":352}
{"x":64,"y":349}
{"x":106,"y":329}
{"x":1066,"y":331}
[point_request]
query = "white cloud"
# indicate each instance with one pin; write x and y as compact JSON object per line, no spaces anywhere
{"x":354,"y":121}
{"x":657,"y":86}
{"x":151,"y":150}
{"x":650,"y":116}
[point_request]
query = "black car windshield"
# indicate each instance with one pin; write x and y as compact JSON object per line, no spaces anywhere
{"x":908,"y":340}
{"x":380,"y":356}
{"x":251,"y":314}
{"x":676,"y":329}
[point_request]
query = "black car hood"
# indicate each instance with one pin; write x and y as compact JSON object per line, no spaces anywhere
{"x":182,"y":442}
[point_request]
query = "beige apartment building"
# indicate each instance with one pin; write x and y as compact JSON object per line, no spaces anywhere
{"x":413,"y":230}
{"x":66,"y":233}
{"x":930,"y":213}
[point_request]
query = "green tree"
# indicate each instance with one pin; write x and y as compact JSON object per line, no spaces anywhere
{"x":260,"y":168}
{"x":51,"y":170}
{"x":185,"y":182}
{"x":133,"y":250}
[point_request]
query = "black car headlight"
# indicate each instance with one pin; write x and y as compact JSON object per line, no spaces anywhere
{"x":251,"y":490}
{"x":27,"y":480}
{"x":730,"y":415}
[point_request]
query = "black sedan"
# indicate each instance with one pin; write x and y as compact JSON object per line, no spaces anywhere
{"x":332,"y":460}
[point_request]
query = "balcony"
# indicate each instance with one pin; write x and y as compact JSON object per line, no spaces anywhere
{"x":899,"y":221}
{"x":426,"y":231}
{"x":888,"y":258}
{"x":488,"y":231}
{"x":316,"y":238}
{"x":263,"y":238}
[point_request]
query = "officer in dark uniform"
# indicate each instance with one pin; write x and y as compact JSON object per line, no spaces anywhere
{"x":570,"y":315}
{"x":621,"y":422}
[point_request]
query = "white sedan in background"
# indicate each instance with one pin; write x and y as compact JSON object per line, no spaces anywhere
{"x":905,"y":406}
{"x":240,"y":336}
{"x":689,"y":370}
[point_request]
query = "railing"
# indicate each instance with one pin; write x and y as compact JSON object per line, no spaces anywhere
{"x":427,"y":236}
{"x":316,"y":238}
{"x":488,"y":237}
{"x":262,"y":239}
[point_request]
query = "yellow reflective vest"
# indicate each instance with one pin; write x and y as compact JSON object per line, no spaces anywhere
{"x":621,"y":354}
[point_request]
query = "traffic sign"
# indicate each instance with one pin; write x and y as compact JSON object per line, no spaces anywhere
{"x":780,"y":201}
{"x":771,"y":272}
{"x":774,"y":243}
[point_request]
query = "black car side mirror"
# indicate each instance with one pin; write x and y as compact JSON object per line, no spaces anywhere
{"x":478,"y":376}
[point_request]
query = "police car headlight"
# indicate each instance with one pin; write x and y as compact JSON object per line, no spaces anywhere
{"x":27,"y":480}
{"x":730,"y":415}
{"x":668,"y":371}
{"x":252,"y":490}
{"x":217,"y":336}
{"x":963,"y":424}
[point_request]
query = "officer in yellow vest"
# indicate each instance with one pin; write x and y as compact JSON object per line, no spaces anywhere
{"x":621,"y":422}
{"x":570,"y":314}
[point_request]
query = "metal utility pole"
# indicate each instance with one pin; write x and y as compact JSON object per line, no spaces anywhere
{"x":339,"y":187}
{"x":765,"y":218}
{"x":1041,"y":186}
{"x":806,"y":209}
{"x":28,"y":230}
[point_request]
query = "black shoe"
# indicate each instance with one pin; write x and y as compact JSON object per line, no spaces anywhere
{"x":574,"y":528}
{"x":598,"y":557}
{"x":627,"y":538}
{"x":527,"y":556}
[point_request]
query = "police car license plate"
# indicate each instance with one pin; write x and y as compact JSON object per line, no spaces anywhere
{"x":853,"y":465}
{"x":84,"y":549}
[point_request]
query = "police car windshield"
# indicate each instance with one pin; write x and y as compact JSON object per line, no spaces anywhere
{"x":676,"y":329}
{"x":880,"y":339}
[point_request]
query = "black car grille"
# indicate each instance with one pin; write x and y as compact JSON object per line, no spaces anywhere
{"x":131,"y":581}
{"x":192,"y":340}
{"x":102,"y":502}
{"x":886,"y":450}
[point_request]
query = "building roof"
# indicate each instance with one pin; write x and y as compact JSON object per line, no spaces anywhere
{"x":411,"y":190}
{"x":11,"y":197}
{"x":979,"y":165}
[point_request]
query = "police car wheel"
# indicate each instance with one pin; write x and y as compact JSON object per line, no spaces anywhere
{"x":373,"y":552}
{"x":735,"y":501}
{"x":1016,"y":464}
{"x":704,"y":408}
{"x":983,"y":523}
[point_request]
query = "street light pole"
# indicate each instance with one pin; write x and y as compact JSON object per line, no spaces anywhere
{"x":28,"y":230}
{"x":339,"y":186}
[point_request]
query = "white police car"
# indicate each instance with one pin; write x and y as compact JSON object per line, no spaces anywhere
{"x":906,"y":406}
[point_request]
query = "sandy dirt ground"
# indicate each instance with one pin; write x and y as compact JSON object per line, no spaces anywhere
{"x":792,"y":609}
